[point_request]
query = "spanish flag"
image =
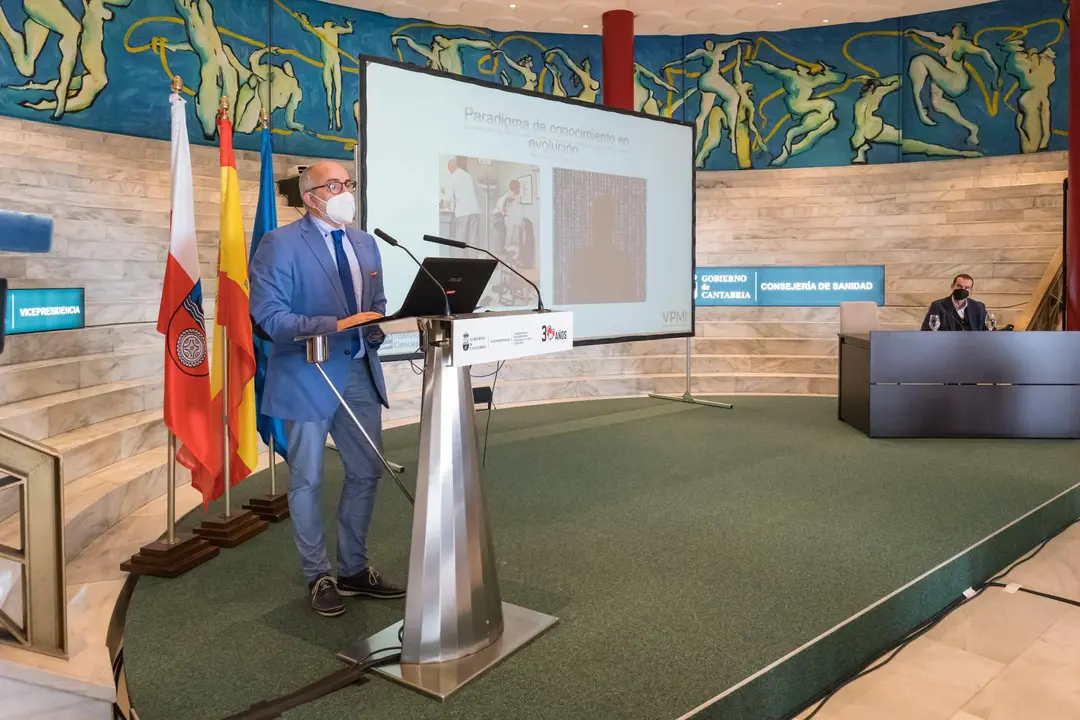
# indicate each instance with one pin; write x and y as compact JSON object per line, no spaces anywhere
{"x":233,"y":320}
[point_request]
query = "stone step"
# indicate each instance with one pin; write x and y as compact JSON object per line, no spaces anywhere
{"x":714,"y":232}
{"x":407,"y":404}
{"x":58,"y":177}
{"x":138,"y":152}
{"x":94,"y":447}
{"x":58,"y":413}
{"x":35,"y":379}
{"x":882,"y":208}
{"x":12,"y":194}
{"x":940,"y":169}
{"x":559,"y":370}
{"x":720,"y":220}
{"x":207,"y":221}
{"x":37,"y":347}
{"x":201,"y":154}
{"x":116,"y":290}
{"x":866,"y":241}
{"x":986,"y":285}
{"x":98,"y":501}
{"x":877,"y":195}
{"x":963,"y":257}
{"x":860,"y":185}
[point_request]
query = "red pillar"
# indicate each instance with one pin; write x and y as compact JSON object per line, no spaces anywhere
{"x":1072,"y":242}
{"x":618,"y":58}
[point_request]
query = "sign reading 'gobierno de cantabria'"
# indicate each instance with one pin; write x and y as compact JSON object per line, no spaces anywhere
{"x":816,"y":286}
{"x":41,"y":310}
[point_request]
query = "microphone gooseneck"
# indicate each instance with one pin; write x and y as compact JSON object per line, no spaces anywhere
{"x":461,"y":245}
{"x":394,"y":243}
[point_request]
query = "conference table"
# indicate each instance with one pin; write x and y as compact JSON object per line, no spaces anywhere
{"x":903,"y":384}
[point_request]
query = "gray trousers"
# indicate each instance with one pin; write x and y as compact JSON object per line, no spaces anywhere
{"x":307,"y":444}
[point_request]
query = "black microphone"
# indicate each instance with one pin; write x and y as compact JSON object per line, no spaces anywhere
{"x":461,"y":245}
{"x":394,"y":243}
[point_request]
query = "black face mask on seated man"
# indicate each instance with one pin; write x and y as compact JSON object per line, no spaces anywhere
{"x":960,"y":294}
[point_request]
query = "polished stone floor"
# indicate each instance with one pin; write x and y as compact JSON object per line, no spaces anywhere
{"x":1003,"y":656}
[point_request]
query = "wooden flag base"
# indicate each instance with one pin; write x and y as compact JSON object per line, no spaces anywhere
{"x":231,"y":530}
{"x":169,"y":560}
{"x":272,"y":508}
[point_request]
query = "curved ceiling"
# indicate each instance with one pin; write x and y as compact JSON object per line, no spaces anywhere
{"x":654,"y":17}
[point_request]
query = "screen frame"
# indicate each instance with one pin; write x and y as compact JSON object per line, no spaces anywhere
{"x":366,"y":60}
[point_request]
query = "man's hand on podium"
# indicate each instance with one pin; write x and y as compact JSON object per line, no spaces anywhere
{"x":357,"y":319}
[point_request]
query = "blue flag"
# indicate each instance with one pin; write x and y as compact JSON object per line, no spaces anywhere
{"x":265,"y":221}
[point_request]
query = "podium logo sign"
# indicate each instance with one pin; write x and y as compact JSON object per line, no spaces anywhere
{"x":493,"y":337}
{"x":549,"y":333}
{"x":816,"y":286}
{"x":42,"y":310}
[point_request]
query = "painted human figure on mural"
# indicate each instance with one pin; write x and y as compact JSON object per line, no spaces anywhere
{"x":871,"y":129}
{"x":445,"y":54}
{"x":94,"y":78}
{"x":557,"y":87}
{"x":44,"y":17}
{"x":813,"y":117}
{"x":712,"y":85}
{"x":590,"y":89}
{"x":580,"y":76}
{"x":522,"y":67}
{"x":265,"y":85}
{"x":644,"y":100}
{"x":217,"y":76}
{"x":948,"y":78}
{"x":329,"y":34}
{"x":744,"y":132}
{"x":1034,"y":72}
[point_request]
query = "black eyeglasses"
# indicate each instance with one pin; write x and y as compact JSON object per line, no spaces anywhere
{"x":336,"y":187}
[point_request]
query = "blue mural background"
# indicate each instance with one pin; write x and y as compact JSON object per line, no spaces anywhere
{"x":829,"y":95}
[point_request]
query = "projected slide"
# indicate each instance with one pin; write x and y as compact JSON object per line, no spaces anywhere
{"x":595,"y":207}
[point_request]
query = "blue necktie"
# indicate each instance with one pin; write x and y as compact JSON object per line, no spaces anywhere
{"x":345,"y":274}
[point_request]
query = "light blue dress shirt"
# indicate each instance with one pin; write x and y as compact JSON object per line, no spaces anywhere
{"x":354,"y":266}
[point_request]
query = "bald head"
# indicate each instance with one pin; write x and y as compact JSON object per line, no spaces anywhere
{"x":313,"y":184}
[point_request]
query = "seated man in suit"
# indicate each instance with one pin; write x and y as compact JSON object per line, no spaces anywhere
{"x":317,"y":276}
{"x":957,"y":312}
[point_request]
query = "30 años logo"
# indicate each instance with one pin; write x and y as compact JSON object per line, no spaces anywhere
{"x":548,"y":332}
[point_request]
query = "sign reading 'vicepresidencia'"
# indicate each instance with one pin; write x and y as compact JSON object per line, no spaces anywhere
{"x":789,"y":286}
{"x":41,"y":310}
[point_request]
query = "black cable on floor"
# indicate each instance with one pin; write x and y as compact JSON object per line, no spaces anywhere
{"x":924,"y":628}
{"x":491,"y":409}
{"x":271,"y":709}
{"x":1048,"y":596}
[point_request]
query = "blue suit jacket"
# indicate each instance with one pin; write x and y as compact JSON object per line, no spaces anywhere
{"x":296,"y":290}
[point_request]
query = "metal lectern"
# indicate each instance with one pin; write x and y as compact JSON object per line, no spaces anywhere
{"x":456,"y":625}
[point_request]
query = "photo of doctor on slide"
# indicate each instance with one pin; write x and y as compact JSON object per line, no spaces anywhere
{"x":493,"y":204}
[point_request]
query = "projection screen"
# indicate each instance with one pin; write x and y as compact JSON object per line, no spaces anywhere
{"x":594,"y":205}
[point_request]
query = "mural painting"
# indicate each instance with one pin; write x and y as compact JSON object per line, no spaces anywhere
{"x":981,"y":80}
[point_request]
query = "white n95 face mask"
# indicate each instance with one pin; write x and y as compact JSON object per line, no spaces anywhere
{"x":341,"y":208}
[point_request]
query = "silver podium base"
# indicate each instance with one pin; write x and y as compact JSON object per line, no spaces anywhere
{"x":440,"y":680}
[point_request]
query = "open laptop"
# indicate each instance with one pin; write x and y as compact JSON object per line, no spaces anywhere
{"x":464,"y":279}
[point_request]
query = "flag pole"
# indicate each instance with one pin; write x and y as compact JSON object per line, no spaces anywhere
{"x":271,"y":507}
{"x":170,"y":494}
{"x":226,"y":466}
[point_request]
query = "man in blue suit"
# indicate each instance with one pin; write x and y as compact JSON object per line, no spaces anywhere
{"x":318,"y":276}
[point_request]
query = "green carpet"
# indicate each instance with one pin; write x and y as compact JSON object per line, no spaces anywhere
{"x":683,"y":548}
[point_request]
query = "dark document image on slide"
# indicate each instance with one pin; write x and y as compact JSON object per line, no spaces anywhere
{"x":599,"y":238}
